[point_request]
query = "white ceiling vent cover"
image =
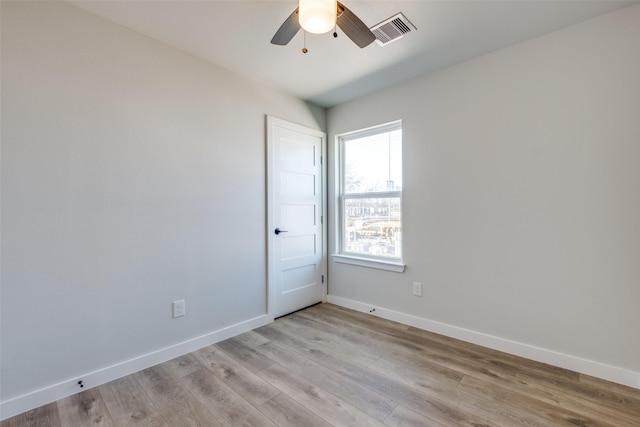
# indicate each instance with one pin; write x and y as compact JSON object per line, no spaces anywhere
{"x":392,"y":29}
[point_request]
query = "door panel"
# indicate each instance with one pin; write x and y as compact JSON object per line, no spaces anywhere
{"x":296,"y":254}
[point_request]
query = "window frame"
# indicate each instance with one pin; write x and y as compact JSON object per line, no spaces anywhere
{"x":395,"y":264}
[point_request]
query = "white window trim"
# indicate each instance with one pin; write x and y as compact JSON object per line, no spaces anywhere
{"x":373,"y":195}
{"x":381,"y":264}
{"x":389,"y":264}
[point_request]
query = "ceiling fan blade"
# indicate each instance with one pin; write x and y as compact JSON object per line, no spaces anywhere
{"x":353,"y":27}
{"x":287,"y":30}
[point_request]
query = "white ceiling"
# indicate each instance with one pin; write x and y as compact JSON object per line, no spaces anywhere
{"x":235,"y":34}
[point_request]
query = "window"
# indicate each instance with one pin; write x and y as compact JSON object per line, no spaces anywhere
{"x":370,"y":196}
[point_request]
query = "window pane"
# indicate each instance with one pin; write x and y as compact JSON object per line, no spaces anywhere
{"x":372,"y":227}
{"x":373,"y":163}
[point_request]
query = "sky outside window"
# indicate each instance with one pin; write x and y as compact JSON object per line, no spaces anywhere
{"x":374,"y":163}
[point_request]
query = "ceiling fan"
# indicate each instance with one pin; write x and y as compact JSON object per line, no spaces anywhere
{"x":320,"y":16}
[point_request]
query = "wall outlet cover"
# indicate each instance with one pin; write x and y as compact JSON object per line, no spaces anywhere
{"x":417,"y":289}
{"x":178,"y":308}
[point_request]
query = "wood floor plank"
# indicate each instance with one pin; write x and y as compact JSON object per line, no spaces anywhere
{"x":421,"y":351}
{"x":393,"y":340}
{"x":416,"y":377}
{"x":383,"y":348}
{"x":251,"y":339}
{"x":444,"y":409}
{"x":188,"y":413}
{"x":368,"y":401}
{"x":273,"y":333}
{"x":229,"y":408}
{"x":85,"y":409}
{"x":517,"y":407}
{"x":330,"y":408}
{"x":255,"y":419}
{"x":15,"y":421}
{"x":150,"y":377}
{"x":183,"y":365}
{"x":246,"y":383}
{"x":315,"y":339}
{"x":43,"y":416}
{"x":415,"y":340}
{"x":373,"y":322}
{"x":46,"y":415}
{"x":163,"y":393}
{"x":440,"y":402}
{"x":376,"y":340}
{"x":127,"y":404}
{"x":557,"y":398}
{"x":608,"y":386}
{"x":495,"y":357}
{"x":246,"y":355}
{"x":286,"y":412}
{"x":328,"y":339}
{"x":340,"y":330}
{"x":403,"y":417}
{"x":629,"y":406}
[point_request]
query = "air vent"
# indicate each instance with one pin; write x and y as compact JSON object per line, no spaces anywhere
{"x":392,"y":29}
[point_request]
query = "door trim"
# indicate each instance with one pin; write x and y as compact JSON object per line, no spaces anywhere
{"x":271,"y":222}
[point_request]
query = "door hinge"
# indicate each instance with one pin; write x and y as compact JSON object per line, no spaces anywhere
{"x":321,"y":219}
{"x":323,"y":278}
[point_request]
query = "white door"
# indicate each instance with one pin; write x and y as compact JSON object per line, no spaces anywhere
{"x":295,"y":210}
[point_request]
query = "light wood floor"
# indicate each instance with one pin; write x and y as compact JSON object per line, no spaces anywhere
{"x":331,"y":366}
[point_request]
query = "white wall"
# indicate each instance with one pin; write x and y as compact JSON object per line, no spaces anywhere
{"x":133,"y":175}
{"x":521,"y":194}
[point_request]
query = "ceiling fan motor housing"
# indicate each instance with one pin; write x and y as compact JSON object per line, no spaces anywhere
{"x":317,"y":16}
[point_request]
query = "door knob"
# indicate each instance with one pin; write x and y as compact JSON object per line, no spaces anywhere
{"x":278,"y":231}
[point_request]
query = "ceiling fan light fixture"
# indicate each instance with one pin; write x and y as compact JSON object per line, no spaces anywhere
{"x":317,"y":16}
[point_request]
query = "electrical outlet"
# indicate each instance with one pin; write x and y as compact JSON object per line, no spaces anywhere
{"x":417,"y":289}
{"x":178,"y":308}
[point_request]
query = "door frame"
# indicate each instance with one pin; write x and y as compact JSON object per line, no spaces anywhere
{"x":271,"y":218}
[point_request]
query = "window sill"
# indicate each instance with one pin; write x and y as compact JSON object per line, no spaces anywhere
{"x":397,"y":267}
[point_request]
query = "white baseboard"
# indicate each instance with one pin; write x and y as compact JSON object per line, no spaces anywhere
{"x":49,"y":394}
{"x":573,"y":363}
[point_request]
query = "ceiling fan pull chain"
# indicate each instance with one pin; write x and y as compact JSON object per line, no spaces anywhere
{"x":304,"y":48}
{"x":335,"y":32}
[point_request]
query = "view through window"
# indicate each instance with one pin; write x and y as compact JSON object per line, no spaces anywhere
{"x":371,"y":192}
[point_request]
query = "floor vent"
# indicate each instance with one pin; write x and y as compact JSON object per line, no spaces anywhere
{"x":392,"y":29}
